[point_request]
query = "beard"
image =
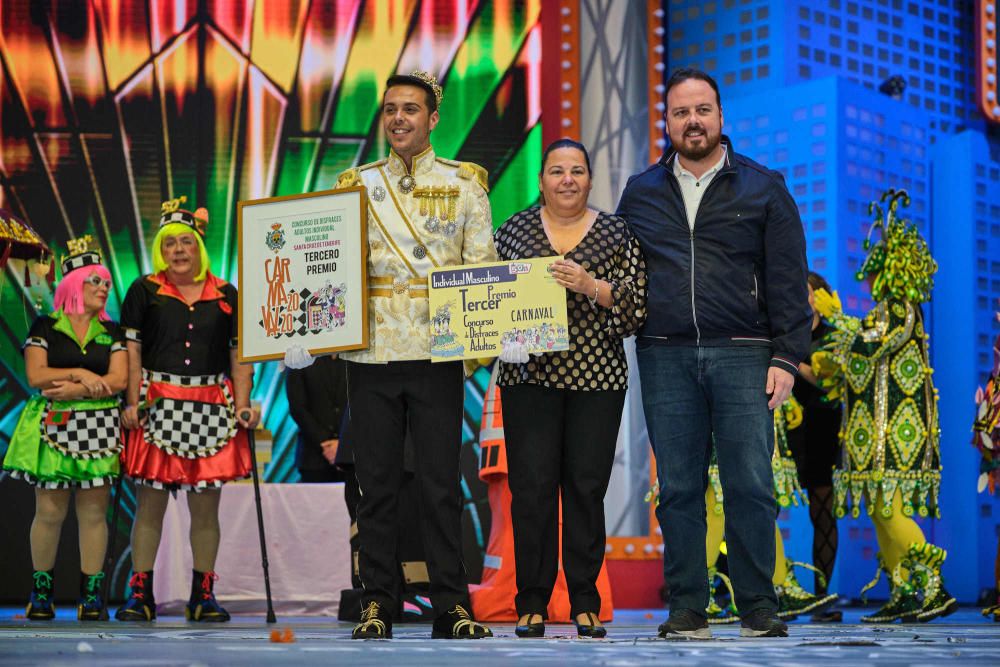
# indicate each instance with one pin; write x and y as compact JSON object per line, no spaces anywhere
{"x":710,"y":143}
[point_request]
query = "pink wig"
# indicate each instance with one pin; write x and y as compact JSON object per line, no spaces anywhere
{"x":69,"y":291}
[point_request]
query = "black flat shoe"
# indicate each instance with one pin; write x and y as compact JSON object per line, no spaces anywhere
{"x":530,"y":630}
{"x":592,"y":630}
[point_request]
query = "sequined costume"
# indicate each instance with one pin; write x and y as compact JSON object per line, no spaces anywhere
{"x":890,"y":429}
{"x":878,"y":366}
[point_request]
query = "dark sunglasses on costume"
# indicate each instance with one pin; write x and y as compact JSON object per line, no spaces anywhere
{"x":97,"y":281}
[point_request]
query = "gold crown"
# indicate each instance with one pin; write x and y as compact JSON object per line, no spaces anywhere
{"x":172,"y":205}
{"x":431,"y":81}
{"x":80,"y":245}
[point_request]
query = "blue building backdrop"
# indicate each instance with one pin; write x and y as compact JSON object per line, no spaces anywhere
{"x":848,"y":99}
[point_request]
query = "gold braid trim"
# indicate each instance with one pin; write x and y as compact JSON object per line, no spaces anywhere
{"x":470,"y":170}
{"x":349,"y":179}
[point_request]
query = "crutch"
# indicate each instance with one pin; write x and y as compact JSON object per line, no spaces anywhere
{"x":251,"y":438}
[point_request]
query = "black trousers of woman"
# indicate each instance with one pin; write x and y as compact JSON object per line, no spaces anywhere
{"x":559,"y":441}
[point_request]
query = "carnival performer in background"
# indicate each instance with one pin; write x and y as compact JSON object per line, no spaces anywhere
{"x":891,"y":458}
{"x":815,"y":446}
{"x":186,"y":406}
{"x":424,"y":212}
{"x":792,"y":598}
{"x":68,"y":438}
{"x":986,"y":439}
{"x":562,"y":410}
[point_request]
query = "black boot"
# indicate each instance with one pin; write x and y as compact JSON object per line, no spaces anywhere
{"x":90,"y":606}
{"x":203,"y":606}
{"x":140,"y":605}
{"x":40,"y":605}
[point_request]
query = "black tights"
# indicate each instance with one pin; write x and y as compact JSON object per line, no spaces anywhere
{"x":824,"y":533}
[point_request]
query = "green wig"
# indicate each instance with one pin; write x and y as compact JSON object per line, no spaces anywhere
{"x":176,"y":229}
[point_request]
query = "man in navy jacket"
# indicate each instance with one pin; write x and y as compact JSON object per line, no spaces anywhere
{"x":727,"y":324}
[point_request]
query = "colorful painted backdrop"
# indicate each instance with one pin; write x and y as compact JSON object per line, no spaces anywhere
{"x":109,"y":107}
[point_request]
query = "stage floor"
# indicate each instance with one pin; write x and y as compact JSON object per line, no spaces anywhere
{"x":964,"y":637}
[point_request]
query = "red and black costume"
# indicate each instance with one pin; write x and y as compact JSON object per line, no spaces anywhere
{"x":190,"y":439}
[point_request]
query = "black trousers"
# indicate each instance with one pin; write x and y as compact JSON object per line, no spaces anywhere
{"x":559,"y":440}
{"x":385,"y":400}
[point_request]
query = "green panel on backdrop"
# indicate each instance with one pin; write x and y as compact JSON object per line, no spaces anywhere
{"x":517,"y":187}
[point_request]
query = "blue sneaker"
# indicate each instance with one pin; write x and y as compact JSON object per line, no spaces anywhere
{"x":203,"y":607}
{"x":40,"y":606}
{"x":90,"y":606}
{"x":140,"y":606}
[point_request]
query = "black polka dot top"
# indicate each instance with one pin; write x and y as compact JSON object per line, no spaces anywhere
{"x":596,"y":358}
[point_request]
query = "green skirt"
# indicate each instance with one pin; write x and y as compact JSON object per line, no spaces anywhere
{"x":35,"y":459}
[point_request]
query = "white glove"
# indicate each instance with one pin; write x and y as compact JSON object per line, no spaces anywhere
{"x":514,"y":353}
{"x":507,"y":353}
{"x":297,"y":357}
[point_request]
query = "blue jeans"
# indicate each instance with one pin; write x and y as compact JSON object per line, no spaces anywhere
{"x":689,"y":395}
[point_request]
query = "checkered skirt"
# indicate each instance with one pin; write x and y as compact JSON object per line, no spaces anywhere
{"x":86,"y":434}
{"x":187,"y":428}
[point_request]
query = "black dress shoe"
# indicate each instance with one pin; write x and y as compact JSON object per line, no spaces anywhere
{"x":592,"y":629}
{"x":376,"y":623}
{"x":528,"y":629}
{"x":457,"y":623}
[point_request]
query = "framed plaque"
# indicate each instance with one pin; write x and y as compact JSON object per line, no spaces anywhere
{"x":303,"y":278}
{"x":478,"y":310}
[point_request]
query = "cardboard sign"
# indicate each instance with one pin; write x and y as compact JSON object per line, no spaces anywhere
{"x":478,"y":309}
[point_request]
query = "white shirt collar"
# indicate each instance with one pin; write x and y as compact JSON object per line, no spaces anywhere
{"x":679,"y":169}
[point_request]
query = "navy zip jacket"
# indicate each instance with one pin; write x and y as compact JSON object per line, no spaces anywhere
{"x":739,"y":278}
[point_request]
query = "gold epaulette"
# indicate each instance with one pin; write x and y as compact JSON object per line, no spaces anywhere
{"x":468,"y":171}
{"x":352,"y":176}
{"x":349,"y":179}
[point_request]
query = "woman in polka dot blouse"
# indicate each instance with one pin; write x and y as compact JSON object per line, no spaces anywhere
{"x":562,"y":410}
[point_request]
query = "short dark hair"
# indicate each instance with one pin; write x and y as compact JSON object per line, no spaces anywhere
{"x":407,"y":80}
{"x":566,"y":143}
{"x":685,"y":73}
{"x":817,"y":281}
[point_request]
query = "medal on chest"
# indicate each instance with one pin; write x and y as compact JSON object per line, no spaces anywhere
{"x":438,"y":204}
{"x":406,"y":184}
